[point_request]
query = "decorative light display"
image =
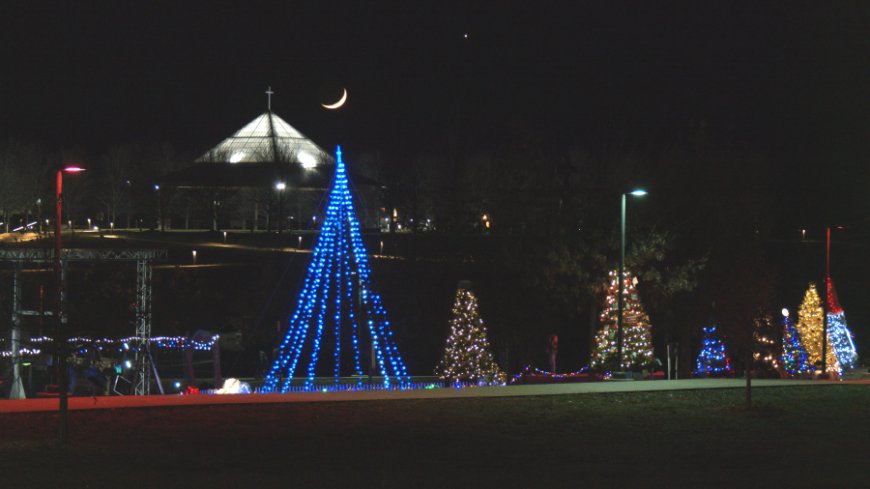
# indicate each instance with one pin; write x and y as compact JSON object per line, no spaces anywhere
{"x":582,"y":374}
{"x":467,"y":357}
{"x":810,"y":326}
{"x":794,"y":355}
{"x":22,"y":352}
{"x":766,"y":353}
{"x":338,"y":292}
{"x":120,"y":344}
{"x":637,"y":350}
{"x":839,"y":336}
{"x":713,"y":360}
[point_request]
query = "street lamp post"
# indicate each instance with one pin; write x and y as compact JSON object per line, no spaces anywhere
{"x":620,"y":301}
{"x":280,"y":186}
{"x":59,"y":339}
{"x":825,"y":304}
{"x":159,"y":208}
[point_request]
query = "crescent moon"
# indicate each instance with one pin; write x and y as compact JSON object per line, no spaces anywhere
{"x":338,"y":104}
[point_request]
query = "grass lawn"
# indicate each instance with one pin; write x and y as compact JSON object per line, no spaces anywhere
{"x":814,"y":436}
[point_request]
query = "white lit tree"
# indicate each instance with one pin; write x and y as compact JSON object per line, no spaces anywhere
{"x":637,"y":349}
{"x":467,"y":355}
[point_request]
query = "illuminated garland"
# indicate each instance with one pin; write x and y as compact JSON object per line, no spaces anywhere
{"x":22,"y":352}
{"x":467,"y":356}
{"x":337,"y":283}
{"x":766,"y":355}
{"x":839,"y":336}
{"x":794,"y":355}
{"x":583,"y":373}
{"x":713,"y":360}
{"x":810,"y":325}
{"x":637,"y":351}
{"x":120,"y":344}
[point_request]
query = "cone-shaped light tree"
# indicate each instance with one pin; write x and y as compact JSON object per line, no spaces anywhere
{"x":637,"y":349}
{"x":713,"y":359}
{"x":467,"y":354}
{"x":794,"y":355}
{"x":839,"y":336}
{"x":338,"y":308}
{"x":810,"y":326}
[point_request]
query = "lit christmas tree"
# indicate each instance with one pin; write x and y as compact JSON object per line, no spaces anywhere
{"x":794,"y":355}
{"x":713,"y":360}
{"x":810,"y":326}
{"x":766,"y":352}
{"x":637,"y":350}
{"x":338,"y":306}
{"x":467,"y":356}
{"x":839,"y":336}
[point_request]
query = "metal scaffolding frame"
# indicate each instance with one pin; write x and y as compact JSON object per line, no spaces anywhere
{"x":143,"y":258}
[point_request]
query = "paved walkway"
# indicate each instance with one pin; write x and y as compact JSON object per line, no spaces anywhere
{"x":117,"y":402}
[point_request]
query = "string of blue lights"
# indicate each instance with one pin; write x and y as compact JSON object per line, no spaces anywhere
{"x":338,"y":289}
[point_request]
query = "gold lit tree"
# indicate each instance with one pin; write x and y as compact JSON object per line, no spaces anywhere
{"x":810,"y":326}
{"x":467,"y":356}
{"x":637,"y":349}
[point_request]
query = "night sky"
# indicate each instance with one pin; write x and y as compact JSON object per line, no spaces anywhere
{"x":787,"y":81}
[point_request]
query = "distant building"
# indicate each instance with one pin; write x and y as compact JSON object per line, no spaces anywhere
{"x":266,"y":176}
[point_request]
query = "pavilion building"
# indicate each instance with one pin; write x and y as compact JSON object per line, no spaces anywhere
{"x":266,"y":176}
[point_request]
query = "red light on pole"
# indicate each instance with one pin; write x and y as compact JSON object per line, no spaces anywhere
{"x":59,"y":336}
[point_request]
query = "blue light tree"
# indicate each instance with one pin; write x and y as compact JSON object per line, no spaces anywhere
{"x":338,"y":307}
{"x":839,"y":335}
{"x":794,"y":355}
{"x":713,"y":360}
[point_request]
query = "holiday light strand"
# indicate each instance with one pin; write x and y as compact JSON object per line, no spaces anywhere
{"x":528,"y":371}
{"x":120,"y":344}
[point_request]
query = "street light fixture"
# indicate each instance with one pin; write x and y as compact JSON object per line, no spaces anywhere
{"x":160,"y":225}
{"x":620,"y":300}
{"x":59,"y":340}
{"x":280,"y":186}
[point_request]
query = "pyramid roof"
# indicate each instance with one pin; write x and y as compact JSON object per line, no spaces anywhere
{"x":268,"y":138}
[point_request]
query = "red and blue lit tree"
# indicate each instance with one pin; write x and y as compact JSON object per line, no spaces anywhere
{"x":637,"y":348}
{"x":839,"y":336}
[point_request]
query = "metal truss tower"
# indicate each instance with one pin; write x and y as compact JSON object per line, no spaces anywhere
{"x":143,"y":258}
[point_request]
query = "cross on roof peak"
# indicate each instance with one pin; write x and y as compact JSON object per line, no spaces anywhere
{"x":269,"y":94}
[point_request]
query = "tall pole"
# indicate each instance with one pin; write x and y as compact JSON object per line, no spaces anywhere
{"x":825,"y":303}
{"x":620,"y":300}
{"x":58,"y":338}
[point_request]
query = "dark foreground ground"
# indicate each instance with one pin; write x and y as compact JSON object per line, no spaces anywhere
{"x":816,"y":436}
